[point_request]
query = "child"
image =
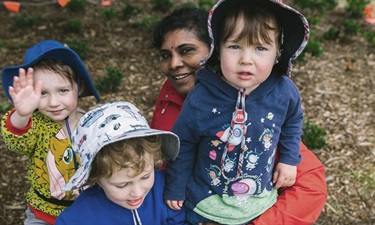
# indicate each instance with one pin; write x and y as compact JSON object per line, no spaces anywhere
{"x":119,"y":153}
{"x":45,"y":100}
{"x":229,"y":165}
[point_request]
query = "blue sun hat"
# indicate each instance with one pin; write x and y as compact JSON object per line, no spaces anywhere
{"x":50,"y":49}
{"x":110,"y":123}
{"x":295,"y":27}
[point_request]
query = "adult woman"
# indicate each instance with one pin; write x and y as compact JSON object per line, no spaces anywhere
{"x":183,"y":41}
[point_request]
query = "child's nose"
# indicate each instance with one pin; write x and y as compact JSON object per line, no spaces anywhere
{"x":246,"y":57}
{"x":54,"y":100}
{"x":136,"y":191}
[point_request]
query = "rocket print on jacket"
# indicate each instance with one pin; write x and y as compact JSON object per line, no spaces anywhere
{"x":234,"y":137}
{"x":254,"y":146}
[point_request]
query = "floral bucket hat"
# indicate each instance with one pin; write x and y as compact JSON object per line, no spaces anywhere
{"x":50,"y":49}
{"x":295,"y":28}
{"x":110,"y":123}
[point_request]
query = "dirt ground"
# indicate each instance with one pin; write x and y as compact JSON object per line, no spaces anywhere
{"x":337,"y":88}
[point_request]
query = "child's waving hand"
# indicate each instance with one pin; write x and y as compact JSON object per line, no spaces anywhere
{"x":25,"y":95}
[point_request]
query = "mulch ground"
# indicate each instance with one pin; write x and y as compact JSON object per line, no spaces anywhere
{"x":337,"y":88}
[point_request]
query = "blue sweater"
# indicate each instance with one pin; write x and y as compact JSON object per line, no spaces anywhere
{"x":92,"y":207}
{"x":274,"y":120}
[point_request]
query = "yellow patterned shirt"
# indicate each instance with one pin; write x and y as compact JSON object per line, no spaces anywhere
{"x":51,"y":161}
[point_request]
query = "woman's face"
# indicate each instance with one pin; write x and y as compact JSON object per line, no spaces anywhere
{"x":180,"y":53}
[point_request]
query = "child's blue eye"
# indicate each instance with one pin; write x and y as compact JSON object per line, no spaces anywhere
{"x":261,"y":49}
{"x":234,"y":47}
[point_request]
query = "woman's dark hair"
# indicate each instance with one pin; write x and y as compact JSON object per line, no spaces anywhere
{"x":190,"y":19}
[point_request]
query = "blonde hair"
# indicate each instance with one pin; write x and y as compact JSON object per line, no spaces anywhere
{"x":129,"y":153}
{"x":258,"y":21}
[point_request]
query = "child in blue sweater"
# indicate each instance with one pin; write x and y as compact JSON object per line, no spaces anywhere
{"x":119,"y":153}
{"x":238,"y":114}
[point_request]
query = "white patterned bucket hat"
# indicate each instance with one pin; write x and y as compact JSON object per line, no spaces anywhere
{"x":110,"y":123}
{"x":295,"y":27}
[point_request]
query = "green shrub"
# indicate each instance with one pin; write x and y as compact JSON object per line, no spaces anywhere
{"x":80,"y":47}
{"x":313,"y":136}
{"x":24,"y":21}
{"x":319,"y":6}
{"x":110,"y":82}
{"x":355,"y":7}
{"x":332,"y":33}
{"x":74,"y":26}
{"x":351,"y":27}
{"x":150,"y":21}
{"x":4,"y":107}
{"x":312,"y":20}
{"x":108,"y":13}
{"x":77,"y":5}
{"x":206,"y":4}
{"x":162,"y":5}
{"x":189,"y":5}
{"x":129,"y":10}
{"x":370,"y":37}
{"x":314,"y":47}
{"x":2,"y":43}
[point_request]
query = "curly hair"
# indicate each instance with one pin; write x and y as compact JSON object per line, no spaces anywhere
{"x":129,"y":153}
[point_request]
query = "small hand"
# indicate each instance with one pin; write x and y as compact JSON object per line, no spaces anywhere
{"x":174,"y":204}
{"x":24,"y":94}
{"x":284,"y":175}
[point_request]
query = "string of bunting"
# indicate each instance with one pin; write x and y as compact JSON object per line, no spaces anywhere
{"x":15,"y":6}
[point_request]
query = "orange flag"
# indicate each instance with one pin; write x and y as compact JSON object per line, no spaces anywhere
{"x":369,"y":12}
{"x":12,"y":6}
{"x":106,"y":3}
{"x":63,"y":3}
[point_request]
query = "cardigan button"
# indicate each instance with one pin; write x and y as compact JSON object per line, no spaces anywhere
{"x":162,"y":111}
{"x":166,"y":96}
